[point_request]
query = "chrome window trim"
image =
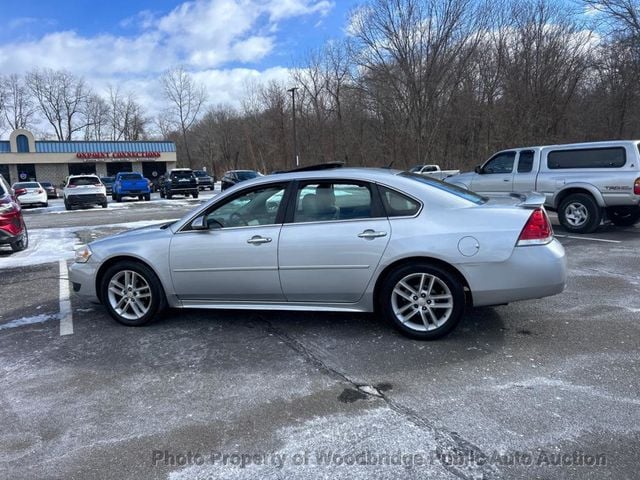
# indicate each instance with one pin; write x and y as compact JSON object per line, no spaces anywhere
{"x":420,"y":202}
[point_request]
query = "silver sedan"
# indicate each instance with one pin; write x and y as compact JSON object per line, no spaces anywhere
{"x":414,"y":250}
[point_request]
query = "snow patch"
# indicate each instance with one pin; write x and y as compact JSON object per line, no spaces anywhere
{"x":20,"y":322}
{"x":50,"y":245}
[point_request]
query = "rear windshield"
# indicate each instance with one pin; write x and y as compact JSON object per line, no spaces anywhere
{"x":45,"y":184}
{"x":131,"y":176}
{"x":26,"y":185}
{"x":246,"y":175}
{"x":84,"y":181}
{"x":181,"y":174}
{"x":447,"y":187}
{"x":107,"y":179}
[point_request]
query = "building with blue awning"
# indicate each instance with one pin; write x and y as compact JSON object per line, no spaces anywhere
{"x":23,"y":158}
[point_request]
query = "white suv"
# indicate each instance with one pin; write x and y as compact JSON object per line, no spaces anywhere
{"x":83,"y":190}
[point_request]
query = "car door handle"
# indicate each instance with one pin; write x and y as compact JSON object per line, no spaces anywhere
{"x":506,"y":179}
{"x":372,"y":234}
{"x":257,"y":240}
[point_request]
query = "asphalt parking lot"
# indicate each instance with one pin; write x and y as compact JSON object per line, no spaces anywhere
{"x":539,"y":389}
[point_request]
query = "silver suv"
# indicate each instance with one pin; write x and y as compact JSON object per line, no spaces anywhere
{"x":583,"y":182}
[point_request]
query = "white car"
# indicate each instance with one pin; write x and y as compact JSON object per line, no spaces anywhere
{"x":82,"y":190}
{"x":31,"y":193}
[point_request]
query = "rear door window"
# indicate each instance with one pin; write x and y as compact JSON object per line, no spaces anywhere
{"x":611,"y":157}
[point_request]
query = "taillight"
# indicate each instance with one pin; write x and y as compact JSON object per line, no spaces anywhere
{"x":21,"y":191}
{"x":71,"y":186}
{"x":40,"y":190}
{"x":537,"y":230}
{"x":636,"y":187}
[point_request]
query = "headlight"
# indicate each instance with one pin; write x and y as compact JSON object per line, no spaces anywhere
{"x":83,"y":254}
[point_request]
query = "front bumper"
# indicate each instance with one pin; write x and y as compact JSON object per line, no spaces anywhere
{"x":88,"y":199}
{"x":531,"y":272}
{"x":7,"y":238}
{"x":83,"y":279}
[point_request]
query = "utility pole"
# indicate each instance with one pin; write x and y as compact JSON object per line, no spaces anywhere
{"x":296,"y":158}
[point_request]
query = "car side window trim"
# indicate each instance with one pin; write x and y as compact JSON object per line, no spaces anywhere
{"x":377,"y":209}
{"x":404,"y":194}
{"x":185,"y":228}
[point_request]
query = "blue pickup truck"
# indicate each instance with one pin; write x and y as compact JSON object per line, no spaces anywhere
{"x":131,"y":184}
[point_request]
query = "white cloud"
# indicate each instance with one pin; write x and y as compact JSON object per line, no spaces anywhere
{"x":207,"y":36}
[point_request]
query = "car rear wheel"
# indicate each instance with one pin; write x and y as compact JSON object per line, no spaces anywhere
{"x":23,"y":243}
{"x":579,"y":213}
{"x":147,"y":197}
{"x":132,"y":293}
{"x":67,"y":206}
{"x":423,"y":301}
{"x":624,"y":216}
{"x":195,"y":195}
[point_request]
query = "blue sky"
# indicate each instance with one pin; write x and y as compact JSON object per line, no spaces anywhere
{"x":29,"y":21}
{"x":226,"y":44}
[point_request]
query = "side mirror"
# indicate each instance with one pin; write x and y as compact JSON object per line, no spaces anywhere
{"x":478,"y":169}
{"x":199,"y":223}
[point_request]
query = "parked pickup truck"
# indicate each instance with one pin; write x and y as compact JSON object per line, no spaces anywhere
{"x":130,"y":184}
{"x":179,"y":181}
{"x":583,"y":182}
{"x":433,"y":171}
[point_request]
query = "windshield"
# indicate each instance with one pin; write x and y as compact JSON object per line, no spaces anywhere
{"x":131,"y":176}
{"x":447,"y":187}
{"x":247,"y":175}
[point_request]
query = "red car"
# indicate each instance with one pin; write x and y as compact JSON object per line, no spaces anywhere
{"x":13,"y":231}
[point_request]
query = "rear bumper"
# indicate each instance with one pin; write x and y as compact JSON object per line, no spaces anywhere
{"x":89,"y":199}
{"x":32,"y":199}
{"x":531,"y":272}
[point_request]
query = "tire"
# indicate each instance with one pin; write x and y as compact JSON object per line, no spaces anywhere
{"x":624,"y":216}
{"x":67,"y":206}
{"x":579,"y":213}
{"x":195,"y":195}
{"x":133,"y":314}
{"x":104,"y":205}
{"x":162,"y":195}
{"x":147,"y":197}
{"x":169,"y":196}
{"x":45,"y":204}
{"x":140,"y":197}
{"x":23,"y":243}
{"x":422,"y":320}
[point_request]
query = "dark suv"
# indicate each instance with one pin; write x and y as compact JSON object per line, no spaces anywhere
{"x":179,"y":181}
{"x":205,"y":181}
{"x":13,"y":231}
{"x":233,"y":177}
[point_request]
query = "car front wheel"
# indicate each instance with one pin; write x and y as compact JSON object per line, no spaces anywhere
{"x":132,"y":293}
{"x":423,"y":301}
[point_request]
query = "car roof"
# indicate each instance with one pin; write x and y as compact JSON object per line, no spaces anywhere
{"x":83,"y":175}
{"x":601,"y":144}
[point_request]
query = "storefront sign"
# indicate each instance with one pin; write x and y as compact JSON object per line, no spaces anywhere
{"x":117,"y":155}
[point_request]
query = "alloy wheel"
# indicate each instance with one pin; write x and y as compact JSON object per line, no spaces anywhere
{"x":129,"y":295}
{"x":422,"y":302}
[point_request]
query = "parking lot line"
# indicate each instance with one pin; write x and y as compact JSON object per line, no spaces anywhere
{"x":66,"y":317}
{"x":589,"y":238}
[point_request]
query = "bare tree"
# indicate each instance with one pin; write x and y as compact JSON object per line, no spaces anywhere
{"x":126,"y":116}
{"x":186,"y":98}
{"x":61,"y":98}
{"x":96,"y":118}
{"x":623,"y":16}
{"x":17,"y":103}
